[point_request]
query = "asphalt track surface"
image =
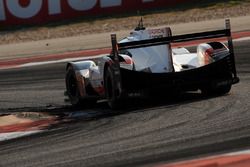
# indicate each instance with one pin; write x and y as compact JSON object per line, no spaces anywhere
{"x":143,"y":134}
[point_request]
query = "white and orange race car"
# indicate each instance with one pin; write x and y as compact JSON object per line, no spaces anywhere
{"x":145,"y":63}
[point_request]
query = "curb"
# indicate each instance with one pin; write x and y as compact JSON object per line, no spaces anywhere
{"x":237,"y":159}
{"x":29,"y":126}
{"x":8,"y":63}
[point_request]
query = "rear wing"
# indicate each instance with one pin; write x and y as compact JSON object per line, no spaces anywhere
{"x":174,"y":39}
{"x":116,"y":47}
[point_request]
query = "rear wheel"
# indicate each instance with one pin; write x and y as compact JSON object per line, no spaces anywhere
{"x":210,"y":90}
{"x":224,"y":89}
{"x":112,"y":94}
{"x":218,"y":87}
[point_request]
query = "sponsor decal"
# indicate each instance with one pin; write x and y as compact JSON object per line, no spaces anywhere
{"x":15,"y":12}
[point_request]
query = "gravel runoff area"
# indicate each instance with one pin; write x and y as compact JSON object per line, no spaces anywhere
{"x":114,"y":24}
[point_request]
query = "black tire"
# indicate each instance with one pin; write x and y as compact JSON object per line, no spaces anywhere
{"x":223,"y":89}
{"x":213,"y":89}
{"x":73,"y":93}
{"x":113,"y":95}
{"x":72,"y":87}
{"x":210,"y":90}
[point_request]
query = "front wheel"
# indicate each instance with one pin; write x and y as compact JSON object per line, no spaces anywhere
{"x":72,"y":90}
{"x":72,"y":87}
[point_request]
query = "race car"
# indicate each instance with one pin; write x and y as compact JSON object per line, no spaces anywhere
{"x":145,"y":63}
